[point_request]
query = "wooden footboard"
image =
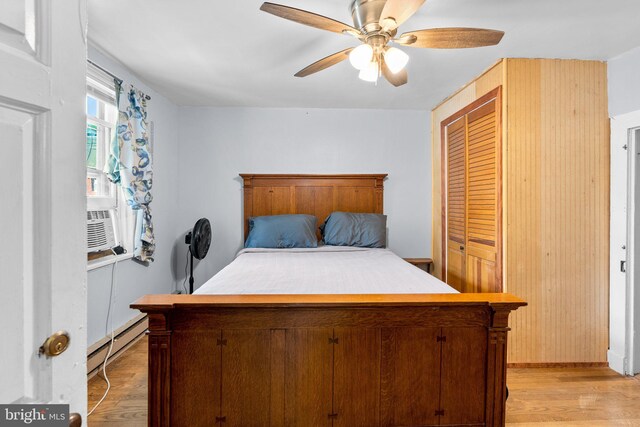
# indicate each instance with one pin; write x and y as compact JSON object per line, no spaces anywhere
{"x":327,"y":360}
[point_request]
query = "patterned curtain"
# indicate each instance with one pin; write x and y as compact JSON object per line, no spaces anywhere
{"x":130,"y":165}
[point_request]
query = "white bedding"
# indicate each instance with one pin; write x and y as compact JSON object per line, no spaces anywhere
{"x":323,"y":270}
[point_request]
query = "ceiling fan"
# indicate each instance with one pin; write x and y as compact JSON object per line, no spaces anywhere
{"x":375,"y":24}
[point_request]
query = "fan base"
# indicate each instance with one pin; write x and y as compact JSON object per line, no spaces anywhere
{"x":366,"y":14}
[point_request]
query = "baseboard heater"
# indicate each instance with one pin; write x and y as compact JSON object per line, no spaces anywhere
{"x":125,"y":336}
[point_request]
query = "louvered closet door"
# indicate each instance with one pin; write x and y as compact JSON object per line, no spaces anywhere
{"x":482,"y":201}
{"x":456,"y":204}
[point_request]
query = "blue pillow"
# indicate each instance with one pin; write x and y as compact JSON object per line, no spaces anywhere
{"x":282,"y":231}
{"x":355,"y":229}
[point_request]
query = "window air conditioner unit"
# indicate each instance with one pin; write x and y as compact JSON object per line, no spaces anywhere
{"x":100,"y":231}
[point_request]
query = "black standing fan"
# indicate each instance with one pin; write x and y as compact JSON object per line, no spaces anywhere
{"x":199,"y":240}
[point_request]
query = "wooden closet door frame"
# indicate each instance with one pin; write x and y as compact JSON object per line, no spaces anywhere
{"x":495,"y":94}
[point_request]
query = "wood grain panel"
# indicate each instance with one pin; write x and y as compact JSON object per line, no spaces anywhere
{"x":463,"y":376}
{"x":456,"y":179}
{"x":204,"y":406}
{"x":456,"y":273}
{"x":317,"y":201}
{"x":308,"y":377}
{"x":473,"y":207}
{"x":558,"y":160}
{"x":483,"y":236}
{"x":545,"y":397}
{"x":357,"y":377}
{"x":555,"y":158}
{"x":355,"y":199}
{"x":490,"y":79}
{"x":301,"y":330}
{"x":246,"y":375}
{"x":410,"y":379}
{"x":446,"y":109}
{"x":262,"y":201}
{"x":281,"y":202}
{"x":318,"y":195}
{"x":482,"y":215}
{"x":277,"y":391}
{"x":524,"y":98}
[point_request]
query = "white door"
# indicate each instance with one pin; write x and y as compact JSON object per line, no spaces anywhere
{"x":634,"y":278}
{"x":42,"y":204}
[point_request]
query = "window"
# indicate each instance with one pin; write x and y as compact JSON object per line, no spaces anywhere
{"x":104,"y":199}
{"x":100,"y":126}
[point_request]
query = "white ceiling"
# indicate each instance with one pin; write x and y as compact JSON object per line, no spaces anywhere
{"x":229,"y":53}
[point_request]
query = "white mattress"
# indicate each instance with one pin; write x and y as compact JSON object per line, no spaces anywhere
{"x":323,"y":270}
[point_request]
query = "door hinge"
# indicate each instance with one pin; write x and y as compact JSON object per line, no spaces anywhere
{"x":333,"y":340}
{"x":333,"y":416}
{"x":441,"y":339}
{"x":222,"y":341}
{"x":439,"y":412}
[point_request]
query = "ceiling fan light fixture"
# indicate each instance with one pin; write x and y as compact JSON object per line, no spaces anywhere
{"x":361,"y":56}
{"x":370,"y":72}
{"x":395,"y":59}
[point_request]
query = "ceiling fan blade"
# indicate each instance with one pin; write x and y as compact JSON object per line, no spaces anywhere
{"x":307,"y":18}
{"x":405,"y":39}
{"x":325,"y":63}
{"x":454,"y":38}
{"x":395,"y":12}
{"x":397,"y":79}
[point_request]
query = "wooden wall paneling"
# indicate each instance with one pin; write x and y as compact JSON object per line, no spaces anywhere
{"x":490,"y":79}
{"x":557,"y":224}
{"x":409,"y":392}
{"x":463,"y":376}
{"x":309,"y":377}
{"x":525,"y":237}
{"x":246,"y":374}
{"x":356,"y":377}
{"x":555,"y":155}
{"x":203,"y":407}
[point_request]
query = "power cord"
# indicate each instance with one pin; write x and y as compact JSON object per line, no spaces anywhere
{"x":112,"y":298}
{"x":186,"y":265}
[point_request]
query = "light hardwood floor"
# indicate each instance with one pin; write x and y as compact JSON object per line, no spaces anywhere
{"x":538,"y":397}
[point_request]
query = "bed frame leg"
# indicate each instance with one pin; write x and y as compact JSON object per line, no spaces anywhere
{"x":497,"y":369}
{"x":159,"y":380}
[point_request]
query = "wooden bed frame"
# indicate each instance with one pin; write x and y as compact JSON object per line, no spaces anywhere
{"x":326,"y":360}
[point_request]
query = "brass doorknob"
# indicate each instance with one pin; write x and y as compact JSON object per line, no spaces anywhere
{"x":56,"y":344}
{"x":75,"y":420}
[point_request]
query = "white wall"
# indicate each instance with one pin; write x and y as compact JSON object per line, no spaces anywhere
{"x":133,"y":279}
{"x":216,"y":144}
{"x":624,"y":83}
{"x":624,"y":110}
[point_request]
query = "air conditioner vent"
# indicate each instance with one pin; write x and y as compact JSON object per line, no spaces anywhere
{"x":100,"y":234}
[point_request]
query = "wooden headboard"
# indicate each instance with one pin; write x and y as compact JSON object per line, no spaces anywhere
{"x":317,"y":195}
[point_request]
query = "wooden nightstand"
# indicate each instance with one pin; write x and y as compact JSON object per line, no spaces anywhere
{"x":422,"y":263}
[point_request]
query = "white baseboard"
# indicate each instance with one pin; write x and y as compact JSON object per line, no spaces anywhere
{"x":616,"y":362}
{"x":125,"y":337}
